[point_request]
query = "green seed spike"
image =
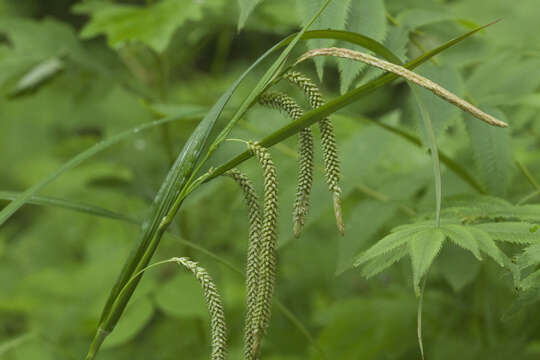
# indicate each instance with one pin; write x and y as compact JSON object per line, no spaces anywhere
{"x":286,"y":104}
{"x":215,"y":308}
{"x":252,"y":268}
{"x":328,"y":141}
{"x":267,"y":263}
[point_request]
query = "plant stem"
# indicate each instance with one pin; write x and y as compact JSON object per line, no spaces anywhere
{"x":96,"y":343}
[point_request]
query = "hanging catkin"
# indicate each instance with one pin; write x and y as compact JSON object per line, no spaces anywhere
{"x":267,"y":263}
{"x":215,"y":308}
{"x":328,"y":141}
{"x":253,"y":254}
{"x":286,"y":104}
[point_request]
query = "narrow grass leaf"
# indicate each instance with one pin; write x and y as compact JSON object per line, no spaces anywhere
{"x":83,"y":156}
{"x":246,"y":7}
{"x":69,"y":205}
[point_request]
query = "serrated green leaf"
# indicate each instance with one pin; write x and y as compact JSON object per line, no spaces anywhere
{"x":529,"y":257}
{"x":423,"y":248}
{"x":514,"y":232}
{"x":462,"y":237}
{"x":387,"y":244}
{"x":334,"y":17}
{"x":366,"y":17}
{"x":412,"y":19}
{"x":488,"y":246}
{"x":246,"y":7}
{"x":492,"y":152}
{"x":381,"y":263}
{"x":369,"y":218}
{"x":530,"y":281}
{"x":510,"y":86}
{"x":153,"y":25}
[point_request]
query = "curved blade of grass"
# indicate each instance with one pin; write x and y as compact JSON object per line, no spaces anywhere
{"x":83,"y":156}
{"x":69,"y":205}
{"x":528,"y":197}
{"x":332,"y":106}
{"x":13,"y":343}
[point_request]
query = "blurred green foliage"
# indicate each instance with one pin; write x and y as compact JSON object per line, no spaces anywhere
{"x":73,"y":73}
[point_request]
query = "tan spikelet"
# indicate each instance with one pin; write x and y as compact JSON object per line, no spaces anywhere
{"x":407,"y":74}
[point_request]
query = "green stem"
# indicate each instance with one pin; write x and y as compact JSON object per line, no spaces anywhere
{"x":96,"y":343}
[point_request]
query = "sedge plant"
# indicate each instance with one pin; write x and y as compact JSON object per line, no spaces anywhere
{"x":422,"y":240}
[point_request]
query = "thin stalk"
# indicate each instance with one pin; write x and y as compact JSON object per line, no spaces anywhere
{"x":528,"y":175}
{"x":432,"y":143}
{"x":528,"y":197}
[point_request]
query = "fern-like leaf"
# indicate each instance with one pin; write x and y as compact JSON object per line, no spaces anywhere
{"x":334,"y":17}
{"x":488,"y":246}
{"x":387,"y":244}
{"x":462,"y":237}
{"x":423,"y":249}
{"x":513,"y":232}
{"x":381,"y":263}
{"x":492,"y":154}
{"x":366,"y":17}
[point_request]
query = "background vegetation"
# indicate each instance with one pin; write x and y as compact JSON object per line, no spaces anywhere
{"x":107,"y":66}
